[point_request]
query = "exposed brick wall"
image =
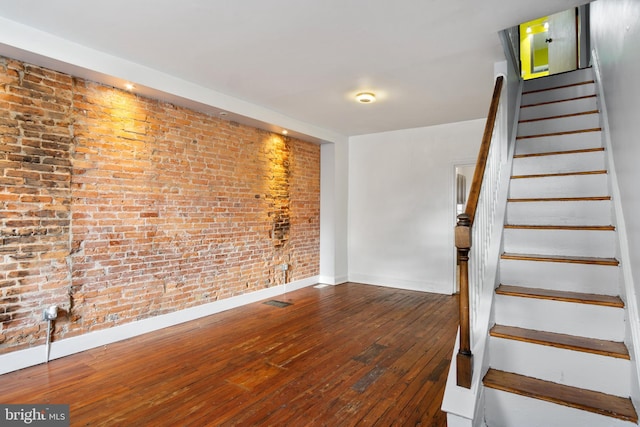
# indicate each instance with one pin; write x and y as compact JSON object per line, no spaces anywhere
{"x":35,"y":197}
{"x":119,"y":208}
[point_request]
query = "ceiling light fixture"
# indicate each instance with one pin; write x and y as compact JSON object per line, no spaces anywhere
{"x":129,"y":86}
{"x":285,"y":132}
{"x":366,"y":97}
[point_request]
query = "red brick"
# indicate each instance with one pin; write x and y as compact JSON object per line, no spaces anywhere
{"x":163,"y":201}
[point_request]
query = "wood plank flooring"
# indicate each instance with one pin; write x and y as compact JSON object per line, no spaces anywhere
{"x":347,"y":355}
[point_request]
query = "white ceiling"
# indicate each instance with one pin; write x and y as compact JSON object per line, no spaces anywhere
{"x":429,"y":61}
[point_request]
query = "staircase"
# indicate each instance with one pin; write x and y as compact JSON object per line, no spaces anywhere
{"x":557,"y":353}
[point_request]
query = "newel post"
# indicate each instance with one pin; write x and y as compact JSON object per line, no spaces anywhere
{"x":464,"y":359}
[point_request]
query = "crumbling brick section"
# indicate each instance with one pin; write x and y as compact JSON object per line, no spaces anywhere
{"x":278,"y":196}
{"x":35,"y":197}
{"x":119,"y":208}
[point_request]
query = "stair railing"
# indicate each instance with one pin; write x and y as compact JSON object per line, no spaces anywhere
{"x":474,"y":228}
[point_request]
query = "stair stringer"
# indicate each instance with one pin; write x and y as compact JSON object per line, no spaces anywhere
{"x":465,"y":407}
{"x":627,"y":286}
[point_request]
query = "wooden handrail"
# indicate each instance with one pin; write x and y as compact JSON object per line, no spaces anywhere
{"x":464,"y":358}
{"x":481,"y":163}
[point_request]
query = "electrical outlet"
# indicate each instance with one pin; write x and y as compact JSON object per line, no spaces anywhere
{"x":284,"y":267}
{"x":50,"y":313}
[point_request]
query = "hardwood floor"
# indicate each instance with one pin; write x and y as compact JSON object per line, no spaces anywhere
{"x":337,"y":356}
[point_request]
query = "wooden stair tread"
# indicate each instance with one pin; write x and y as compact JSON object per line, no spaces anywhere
{"x":585,"y":82}
{"x":562,"y":227}
{"x":570,"y":342}
{"x":573,"y":397}
{"x":558,"y":258}
{"x":550,"y":294}
{"x":555,"y":153}
{"x":561,"y":199}
{"x":548,"y":175}
{"x":559,"y":116}
{"x":566,"y":132}
{"x":577,"y":98}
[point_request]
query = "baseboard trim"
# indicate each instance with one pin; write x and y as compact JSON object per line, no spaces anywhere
{"x":333,"y":280}
{"x":409,"y":285}
{"x":21,"y":359}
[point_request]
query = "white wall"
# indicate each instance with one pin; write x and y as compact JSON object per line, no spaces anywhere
{"x":402,"y":206}
{"x":615,"y":39}
{"x":615,"y":29}
{"x":333,"y":212}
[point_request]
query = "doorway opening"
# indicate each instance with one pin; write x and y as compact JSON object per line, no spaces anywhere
{"x":555,"y":43}
{"x":534,"y":48}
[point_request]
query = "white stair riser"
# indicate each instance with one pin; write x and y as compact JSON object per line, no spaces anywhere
{"x":560,"y":213}
{"x":503,"y":409}
{"x":563,"y":124}
{"x":588,"y":243}
{"x":606,"y":374}
{"x":546,"y":144}
{"x":560,"y":276}
{"x":559,"y":186}
{"x":563,"y":79}
{"x":560,"y":108}
{"x":558,"y":94}
{"x":585,"y":320}
{"x":560,"y":163}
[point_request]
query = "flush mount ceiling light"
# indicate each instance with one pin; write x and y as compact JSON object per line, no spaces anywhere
{"x":366,"y":97}
{"x":129,"y":86}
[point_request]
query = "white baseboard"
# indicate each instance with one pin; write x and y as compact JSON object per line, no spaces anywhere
{"x":33,"y":356}
{"x":299,"y":284}
{"x":333,"y":280}
{"x":409,"y":285}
